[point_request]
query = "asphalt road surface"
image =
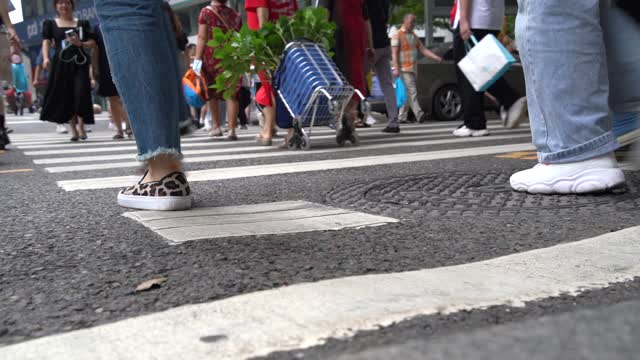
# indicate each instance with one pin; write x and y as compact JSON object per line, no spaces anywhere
{"x":407,"y":246}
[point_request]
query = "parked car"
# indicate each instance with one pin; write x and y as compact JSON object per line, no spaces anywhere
{"x":438,"y":92}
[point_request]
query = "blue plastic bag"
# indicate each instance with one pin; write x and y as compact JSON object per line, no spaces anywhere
{"x":401,"y":92}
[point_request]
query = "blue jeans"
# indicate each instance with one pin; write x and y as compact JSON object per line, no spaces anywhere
{"x":622,"y":40}
{"x":142,"y":53}
{"x":565,"y":66}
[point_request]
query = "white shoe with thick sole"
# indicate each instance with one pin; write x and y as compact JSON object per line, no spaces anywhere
{"x":464,"y":131}
{"x":516,"y":114}
{"x":589,"y":176}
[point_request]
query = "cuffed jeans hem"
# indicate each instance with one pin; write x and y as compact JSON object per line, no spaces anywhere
{"x":599,"y":146}
{"x":160,"y":151}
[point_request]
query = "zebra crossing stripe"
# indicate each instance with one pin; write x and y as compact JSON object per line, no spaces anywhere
{"x":273,"y":153}
{"x":308,"y":314}
{"x":297,"y":167}
{"x":113,"y":148}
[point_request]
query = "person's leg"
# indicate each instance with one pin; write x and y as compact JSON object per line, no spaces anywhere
{"x":214,"y":111}
{"x":472,"y":101}
{"x":141,"y":49}
{"x":565,"y":68}
{"x":383,"y":72}
{"x":233,"y":106}
{"x":412,"y":95}
{"x":562,"y":51}
{"x":622,"y":41}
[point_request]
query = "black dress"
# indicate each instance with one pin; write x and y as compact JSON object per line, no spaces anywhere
{"x":106,"y":87}
{"x":69,"y":88}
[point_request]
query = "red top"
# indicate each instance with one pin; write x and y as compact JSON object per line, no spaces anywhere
{"x":277,"y":8}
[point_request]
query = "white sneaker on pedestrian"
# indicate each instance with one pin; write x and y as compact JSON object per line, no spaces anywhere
{"x":588,"y":176}
{"x":464,"y":131}
{"x":512,"y":118}
{"x":61,"y":129}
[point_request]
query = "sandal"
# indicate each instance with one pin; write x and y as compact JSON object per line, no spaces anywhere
{"x":263,"y":141}
{"x":129,"y":133}
{"x":118,"y":136}
{"x":233,"y":137}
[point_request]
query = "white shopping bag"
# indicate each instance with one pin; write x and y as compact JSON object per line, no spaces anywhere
{"x":485,"y":62}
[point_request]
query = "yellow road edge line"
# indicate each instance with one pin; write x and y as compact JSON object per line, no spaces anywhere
{"x":13,"y":171}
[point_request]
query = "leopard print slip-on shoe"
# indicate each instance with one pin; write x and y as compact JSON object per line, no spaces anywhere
{"x":170,"y":193}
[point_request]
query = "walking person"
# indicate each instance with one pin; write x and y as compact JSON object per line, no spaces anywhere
{"x":217,"y":15}
{"x":568,"y":88}
{"x":481,"y":18}
{"x":9,"y":40}
{"x":141,"y":47}
{"x":68,"y":94}
{"x":406,"y":46}
{"x":354,"y":43}
{"x":107,"y":89}
{"x":379,"y":17}
{"x":259,"y":12}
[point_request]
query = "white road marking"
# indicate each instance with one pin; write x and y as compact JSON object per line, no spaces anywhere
{"x":272,"y":153}
{"x":248,"y":136}
{"x":251,"y":220}
{"x":297,"y":167}
{"x":305,"y":315}
{"x":132,"y":148}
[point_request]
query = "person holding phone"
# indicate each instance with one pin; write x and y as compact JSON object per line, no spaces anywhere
{"x":68,"y":94}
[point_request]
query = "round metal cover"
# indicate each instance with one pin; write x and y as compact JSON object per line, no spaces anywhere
{"x":476,"y":194}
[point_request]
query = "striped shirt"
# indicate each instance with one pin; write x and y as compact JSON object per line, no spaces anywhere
{"x":409,"y":45}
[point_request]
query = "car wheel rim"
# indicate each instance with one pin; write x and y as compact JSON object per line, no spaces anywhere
{"x":450,"y":103}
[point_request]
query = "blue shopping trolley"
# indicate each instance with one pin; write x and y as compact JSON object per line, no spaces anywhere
{"x":311,"y":91}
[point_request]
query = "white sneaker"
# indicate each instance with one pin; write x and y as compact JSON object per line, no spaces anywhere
{"x":512,"y":118}
{"x":61,"y":129}
{"x":464,"y":131}
{"x":592,"y":175}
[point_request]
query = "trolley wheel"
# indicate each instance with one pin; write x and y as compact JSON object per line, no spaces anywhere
{"x":305,"y":142}
{"x":294,"y":142}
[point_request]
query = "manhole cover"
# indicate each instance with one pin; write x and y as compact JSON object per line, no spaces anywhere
{"x":475,"y":194}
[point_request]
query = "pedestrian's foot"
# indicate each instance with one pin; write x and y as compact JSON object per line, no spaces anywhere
{"x":261,"y":140}
{"x":172,"y":192}
{"x":61,"y":129}
{"x":588,"y":176}
{"x":405,"y":121}
{"x":215,"y":132}
{"x":244,"y":127}
{"x":232,"y":137}
{"x":129,"y":133}
{"x":8,"y":131}
{"x":83,"y":135}
{"x":512,"y":118}
{"x":464,"y":131}
{"x":423,"y":119}
{"x":74,"y":138}
{"x":89,"y":129}
{"x":391,"y":130}
{"x":118,"y":136}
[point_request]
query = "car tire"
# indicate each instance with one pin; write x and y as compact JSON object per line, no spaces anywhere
{"x":447,"y":103}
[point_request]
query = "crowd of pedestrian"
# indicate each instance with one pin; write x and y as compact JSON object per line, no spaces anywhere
{"x":565,"y":49}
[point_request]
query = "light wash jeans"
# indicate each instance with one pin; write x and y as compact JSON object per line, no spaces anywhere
{"x":622,"y":40}
{"x":142,"y":53}
{"x":565,"y":66}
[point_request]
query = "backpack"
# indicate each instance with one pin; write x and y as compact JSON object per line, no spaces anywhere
{"x":195,"y":89}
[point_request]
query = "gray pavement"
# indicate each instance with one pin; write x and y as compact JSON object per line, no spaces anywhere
{"x":604,"y":333}
{"x":70,"y":260}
